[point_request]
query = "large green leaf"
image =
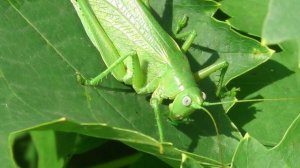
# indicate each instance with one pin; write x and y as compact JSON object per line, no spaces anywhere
{"x":188,"y":162}
{"x":276,"y":21}
{"x":271,"y":122}
{"x":282,"y":22}
{"x":43,"y":44}
{"x":251,"y":153}
{"x":248,"y":16}
{"x":215,"y":40}
{"x":267,"y":121}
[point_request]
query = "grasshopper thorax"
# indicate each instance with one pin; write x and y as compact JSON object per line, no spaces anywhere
{"x":184,"y":104}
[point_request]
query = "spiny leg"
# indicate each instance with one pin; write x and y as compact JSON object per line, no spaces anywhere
{"x":190,"y":36}
{"x":138,"y":83}
{"x":94,"y":81}
{"x":189,"y":40}
{"x":155,"y":102}
{"x":221,"y":80}
{"x":203,"y":73}
{"x":181,"y":23}
{"x":138,"y":77}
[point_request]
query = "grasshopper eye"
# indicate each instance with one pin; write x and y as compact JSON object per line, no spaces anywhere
{"x":186,"y":101}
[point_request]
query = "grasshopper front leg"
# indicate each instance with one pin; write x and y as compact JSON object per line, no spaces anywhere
{"x":189,"y":40}
{"x":190,"y":36}
{"x":203,"y":73}
{"x":181,"y":23}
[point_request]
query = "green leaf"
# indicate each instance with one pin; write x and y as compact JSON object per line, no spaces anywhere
{"x":251,"y":153}
{"x":49,"y":154}
{"x":277,"y":80}
{"x":54,"y":149}
{"x":188,"y":162}
{"x":268,"y":121}
{"x":280,"y":84}
{"x":282,"y":15}
{"x":43,"y":44}
{"x":276,"y":21}
{"x":282,"y":22}
{"x":281,"y":76}
{"x":248,"y":16}
{"x":215,"y":40}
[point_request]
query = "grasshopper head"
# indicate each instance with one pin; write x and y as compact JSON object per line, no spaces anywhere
{"x":185,"y":103}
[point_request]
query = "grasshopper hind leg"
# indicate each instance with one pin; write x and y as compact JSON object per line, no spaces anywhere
{"x":138,"y":83}
{"x":155,"y":105}
{"x":96,"y":80}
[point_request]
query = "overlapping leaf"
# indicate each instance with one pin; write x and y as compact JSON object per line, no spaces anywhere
{"x":251,"y":153}
{"x":43,"y":44}
{"x":280,"y":75}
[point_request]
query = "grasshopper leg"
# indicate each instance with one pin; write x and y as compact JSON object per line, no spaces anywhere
{"x":220,"y":83}
{"x":138,"y":83}
{"x":203,"y":73}
{"x":190,"y":36}
{"x":181,"y":23}
{"x":138,"y":77}
{"x":94,"y":81}
{"x":155,"y":104}
{"x":189,"y":40}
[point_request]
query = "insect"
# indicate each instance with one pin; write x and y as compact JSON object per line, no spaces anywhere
{"x":138,"y":52}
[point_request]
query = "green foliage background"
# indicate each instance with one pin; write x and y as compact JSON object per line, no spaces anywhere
{"x":43,"y":44}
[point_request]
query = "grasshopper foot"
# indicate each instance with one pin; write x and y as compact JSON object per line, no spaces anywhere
{"x":80,"y":79}
{"x":181,"y":23}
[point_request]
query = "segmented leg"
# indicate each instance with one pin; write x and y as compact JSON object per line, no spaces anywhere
{"x":203,"y":73}
{"x":181,"y":23}
{"x":190,"y":36}
{"x":155,"y":102}
{"x":95,"y":81}
{"x":221,"y":80}
{"x":189,"y":41}
{"x":138,"y":83}
{"x":138,"y":77}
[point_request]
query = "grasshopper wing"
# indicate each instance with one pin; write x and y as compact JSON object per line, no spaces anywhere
{"x":130,"y":26}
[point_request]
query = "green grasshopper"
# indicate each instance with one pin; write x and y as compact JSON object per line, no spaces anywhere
{"x":138,"y":52}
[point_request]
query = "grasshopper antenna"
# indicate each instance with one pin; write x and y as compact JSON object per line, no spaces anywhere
{"x":250,"y":100}
{"x":196,"y":106}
